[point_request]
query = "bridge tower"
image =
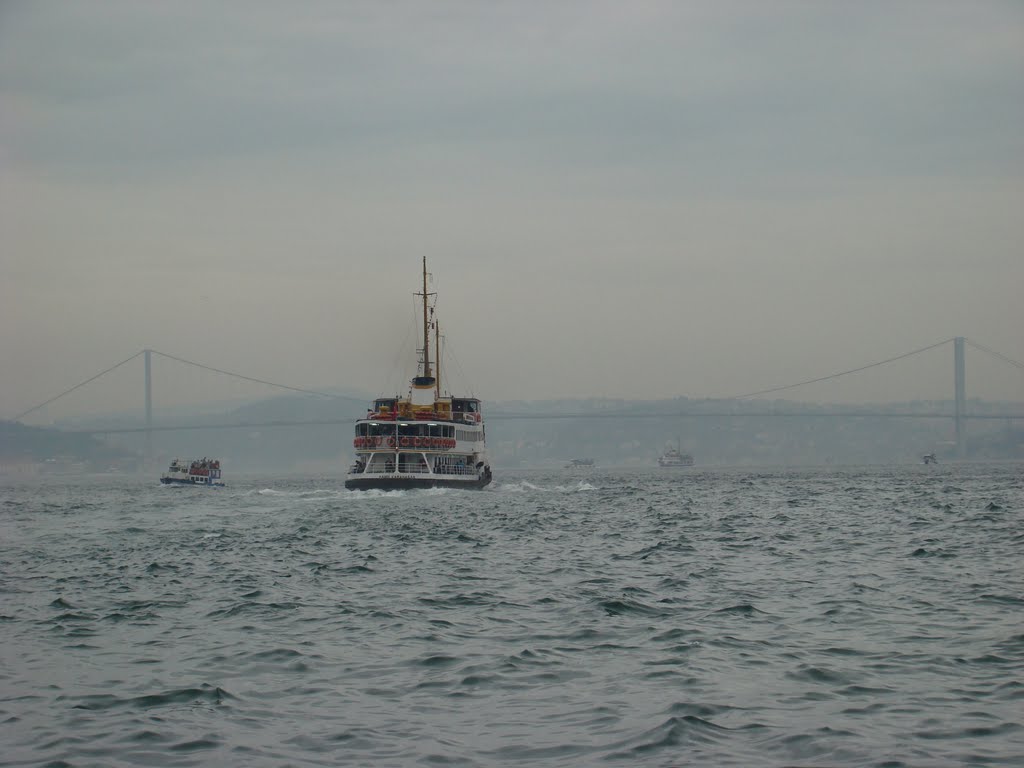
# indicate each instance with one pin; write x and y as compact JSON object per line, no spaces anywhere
{"x":149,"y":406}
{"x":960,"y":397}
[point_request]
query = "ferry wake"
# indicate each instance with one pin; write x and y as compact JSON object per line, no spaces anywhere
{"x":428,"y":439}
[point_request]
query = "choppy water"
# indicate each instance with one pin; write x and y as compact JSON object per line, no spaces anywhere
{"x":848,"y":617}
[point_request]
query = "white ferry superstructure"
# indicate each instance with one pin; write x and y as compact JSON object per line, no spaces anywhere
{"x":428,"y":439}
{"x":673,"y":457}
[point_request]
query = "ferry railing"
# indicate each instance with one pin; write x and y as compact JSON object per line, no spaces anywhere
{"x":455,"y":470}
{"x":408,"y":468}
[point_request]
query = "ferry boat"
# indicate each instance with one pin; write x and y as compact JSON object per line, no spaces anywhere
{"x":427,"y":439}
{"x":193,"y":472}
{"x":673,"y":457}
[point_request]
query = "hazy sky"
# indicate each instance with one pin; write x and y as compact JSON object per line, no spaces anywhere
{"x":642,"y":199}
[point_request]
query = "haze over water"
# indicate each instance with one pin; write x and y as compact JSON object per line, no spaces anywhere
{"x":842,"y":617}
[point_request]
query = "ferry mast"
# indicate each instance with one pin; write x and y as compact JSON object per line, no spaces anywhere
{"x":426,"y":326}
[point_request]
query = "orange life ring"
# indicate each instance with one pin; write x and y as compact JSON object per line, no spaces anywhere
{"x":377,"y":440}
{"x":391,"y":442}
{"x":405,"y":442}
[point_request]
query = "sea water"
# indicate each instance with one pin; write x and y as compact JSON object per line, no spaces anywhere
{"x":732,"y":617}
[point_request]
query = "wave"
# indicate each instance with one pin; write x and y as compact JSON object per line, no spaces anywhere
{"x":523,"y":486}
{"x":319,"y":493}
{"x":205,"y":694}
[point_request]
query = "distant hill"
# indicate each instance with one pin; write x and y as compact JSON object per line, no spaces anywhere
{"x":292,"y":408}
{"x":19,"y":442}
{"x":619,"y":432}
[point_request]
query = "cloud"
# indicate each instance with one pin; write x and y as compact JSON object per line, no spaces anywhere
{"x":765,"y":188}
{"x":704,"y":95}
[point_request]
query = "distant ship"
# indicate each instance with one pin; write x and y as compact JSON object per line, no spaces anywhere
{"x":193,"y":472}
{"x":929,"y":458}
{"x":673,"y":457}
{"x":579,"y":463}
{"x":426,"y":439}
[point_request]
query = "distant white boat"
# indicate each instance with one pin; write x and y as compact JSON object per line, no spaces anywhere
{"x":673,"y":457}
{"x":579,"y":463}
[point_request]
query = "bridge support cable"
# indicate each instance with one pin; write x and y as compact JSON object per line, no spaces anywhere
{"x":841,"y":373}
{"x":253,"y":379}
{"x":23,"y":414}
{"x":959,"y":396}
{"x":1004,"y":358}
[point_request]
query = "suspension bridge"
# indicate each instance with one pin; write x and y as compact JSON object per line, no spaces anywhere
{"x":960,"y":413}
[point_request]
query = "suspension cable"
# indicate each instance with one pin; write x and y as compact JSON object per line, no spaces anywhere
{"x":459,"y":368}
{"x":251,"y":378}
{"x":841,"y":373}
{"x":22,"y":415}
{"x":1002,"y":357}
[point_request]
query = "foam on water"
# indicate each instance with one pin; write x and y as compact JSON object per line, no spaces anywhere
{"x":848,"y":617}
{"x":523,"y":486}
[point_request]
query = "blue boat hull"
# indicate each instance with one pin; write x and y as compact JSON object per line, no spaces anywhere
{"x":175,"y":481}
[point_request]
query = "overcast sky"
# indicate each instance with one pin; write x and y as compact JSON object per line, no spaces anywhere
{"x":643,"y":199}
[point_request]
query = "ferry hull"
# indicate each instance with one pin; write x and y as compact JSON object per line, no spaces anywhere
{"x":413,"y":483}
{"x":178,"y":481}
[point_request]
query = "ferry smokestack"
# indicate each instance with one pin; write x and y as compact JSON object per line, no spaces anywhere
{"x":423,"y":391}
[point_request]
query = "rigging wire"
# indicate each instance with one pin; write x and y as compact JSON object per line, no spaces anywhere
{"x":251,"y":378}
{"x":1002,"y":357}
{"x":458,"y":366}
{"x":22,"y":415}
{"x":841,"y":373}
{"x":402,"y":356}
